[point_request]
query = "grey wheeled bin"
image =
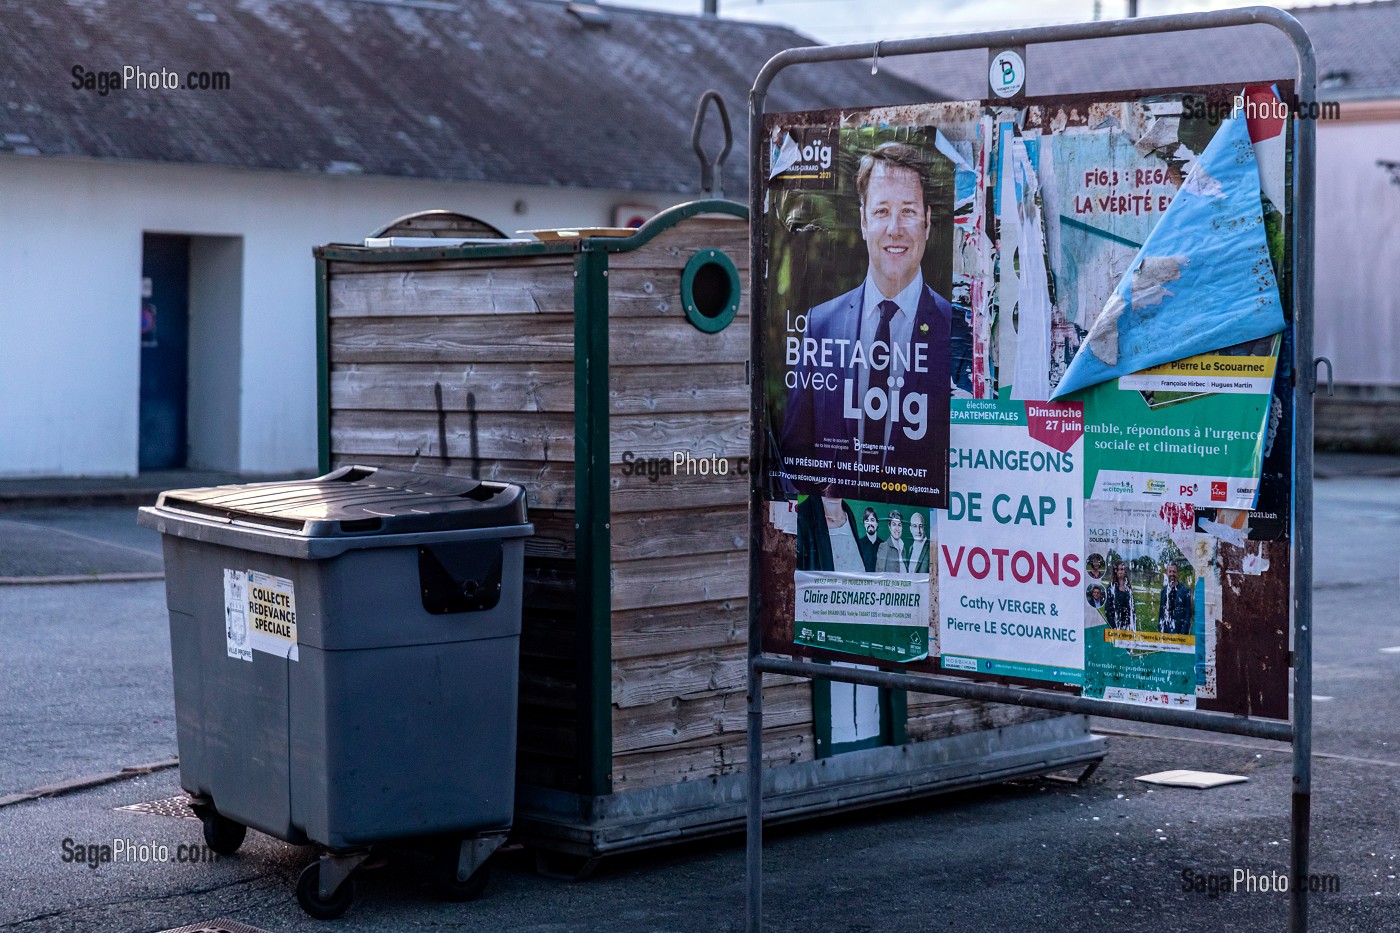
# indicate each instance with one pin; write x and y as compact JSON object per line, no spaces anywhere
{"x":345,"y":653}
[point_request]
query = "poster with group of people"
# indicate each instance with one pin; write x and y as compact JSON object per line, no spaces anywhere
{"x":1025,"y":382}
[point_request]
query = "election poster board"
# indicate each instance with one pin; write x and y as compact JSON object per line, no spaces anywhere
{"x":1101,"y":483}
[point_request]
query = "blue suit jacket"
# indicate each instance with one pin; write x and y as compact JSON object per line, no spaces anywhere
{"x":815,"y":423}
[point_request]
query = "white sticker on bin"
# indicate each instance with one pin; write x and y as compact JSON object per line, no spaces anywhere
{"x":236,"y":614}
{"x":261,"y":614}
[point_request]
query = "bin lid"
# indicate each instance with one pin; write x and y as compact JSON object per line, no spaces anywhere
{"x":358,"y":500}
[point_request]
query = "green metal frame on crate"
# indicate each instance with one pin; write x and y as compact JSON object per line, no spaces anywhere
{"x":592,"y":505}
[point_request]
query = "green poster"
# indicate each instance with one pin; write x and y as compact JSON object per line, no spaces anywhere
{"x":1189,"y":431}
{"x":1144,"y":603}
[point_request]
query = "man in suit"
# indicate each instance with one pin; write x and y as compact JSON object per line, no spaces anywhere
{"x":893,"y":557}
{"x":1176,"y":613}
{"x":873,"y":366}
{"x":869,"y":543}
{"x":918,"y":547}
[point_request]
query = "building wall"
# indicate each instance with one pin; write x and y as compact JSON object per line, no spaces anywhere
{"x":1358,"y":261}
{"x":70,"y":264}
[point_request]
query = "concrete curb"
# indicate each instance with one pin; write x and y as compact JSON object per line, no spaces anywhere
{"x":91,"y":780}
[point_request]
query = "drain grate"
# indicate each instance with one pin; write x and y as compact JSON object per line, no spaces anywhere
{"x":217,"y":926}
{"x":178,"y":807}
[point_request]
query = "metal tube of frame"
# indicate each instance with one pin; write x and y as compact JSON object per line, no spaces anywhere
{"x":1304,"y":387}
{"x":757,"y":272}
{"x":1038,"y":699}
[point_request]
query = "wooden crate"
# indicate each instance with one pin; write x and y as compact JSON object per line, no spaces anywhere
{"x":560,"y":366}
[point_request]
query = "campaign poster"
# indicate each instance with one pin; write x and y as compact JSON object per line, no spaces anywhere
{"x":1010,"y":572}
{"x":1145,"y":603}
{"x":862,"y":581}
{"x":1192,"y":430}
{"x":858,"y":289}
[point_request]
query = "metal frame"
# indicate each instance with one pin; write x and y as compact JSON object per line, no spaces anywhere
{"x":1299,"y":731}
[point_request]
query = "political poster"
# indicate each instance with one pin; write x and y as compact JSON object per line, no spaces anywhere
{"x":1009,"y":546}
{"x":859,"y":225}
{"x":883,"y":616}
{"x":1192,"y":430}
{"x":861,"y":580}
{"x":1144,"y":603}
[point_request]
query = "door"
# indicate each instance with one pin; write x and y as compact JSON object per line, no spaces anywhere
{"x":165,"y":334}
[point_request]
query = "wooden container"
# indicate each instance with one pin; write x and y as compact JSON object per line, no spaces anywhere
{"x":583,"y":367}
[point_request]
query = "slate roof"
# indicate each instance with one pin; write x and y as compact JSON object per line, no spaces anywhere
{"x":1358,"y":43}
{"x":507,"y":91}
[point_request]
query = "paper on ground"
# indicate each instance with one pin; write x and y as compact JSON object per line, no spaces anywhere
{"x":1201,"y":780}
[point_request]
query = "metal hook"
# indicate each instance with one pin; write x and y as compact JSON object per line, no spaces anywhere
{"x":711,"y":173}
{"x":875,"y":59}
{"x":1323,"y":361}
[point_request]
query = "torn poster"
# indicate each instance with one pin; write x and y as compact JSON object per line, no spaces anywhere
{"x":1202,"y":280}
{"x":1192,"y":430}
{"x":1144,"y":603}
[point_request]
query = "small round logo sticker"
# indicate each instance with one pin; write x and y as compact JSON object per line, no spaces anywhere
{"x":1007,"y":74}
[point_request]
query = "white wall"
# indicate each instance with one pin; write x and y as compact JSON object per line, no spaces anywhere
{"x":1357,"y":299}
{"x":70,"y":274}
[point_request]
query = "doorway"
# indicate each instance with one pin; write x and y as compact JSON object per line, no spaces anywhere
{"x":165,"y":353}
{"x":191,"y":352}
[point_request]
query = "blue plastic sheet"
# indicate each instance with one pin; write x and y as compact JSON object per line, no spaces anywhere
{"x":1201,"y":281}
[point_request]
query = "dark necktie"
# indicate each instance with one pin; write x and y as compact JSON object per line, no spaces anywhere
{"x":873,"y":431}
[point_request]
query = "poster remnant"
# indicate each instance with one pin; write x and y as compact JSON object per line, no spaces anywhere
{"x":1202,"y":280}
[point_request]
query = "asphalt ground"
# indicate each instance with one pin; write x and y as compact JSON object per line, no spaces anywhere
{"x":84,"y":688}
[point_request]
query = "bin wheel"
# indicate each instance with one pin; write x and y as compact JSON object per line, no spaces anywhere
{"x":309,"y":895}
{"x":450,"y":888}
{"x":221,"y":834}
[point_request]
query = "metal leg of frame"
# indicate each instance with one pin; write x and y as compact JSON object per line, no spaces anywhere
{"x":754,"y":852}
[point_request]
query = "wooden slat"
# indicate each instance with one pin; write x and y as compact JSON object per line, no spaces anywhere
{"x":554,"y":534}
{"x":673,"y":247}
{"x":549,"y":485}
{"x":340,"y":268}
{"x":643,"y":681}
{"x":963,"y":717}
{"x":677,"y":387}
{"x":672,"y":722}
{"x":666,"y":341}
{"x":671,"y":581}
{"x":718,"y":434}
{"x":680,"y":764}
{"x":517,"y":289}
{"x":651,"y":293}
{"x":525,"y":338}
{"x":679,"y":532}
{"x":641,"y":633}
{"x":547,"y":437}
{"x":506,"y":387}
{"x":638,"y":494}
